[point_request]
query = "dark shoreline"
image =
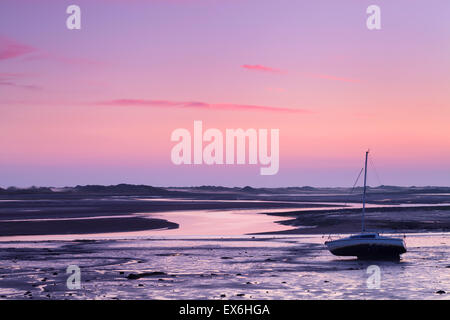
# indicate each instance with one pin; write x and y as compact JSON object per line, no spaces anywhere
{"x":84,"y":226}
{"x":387,"y":219}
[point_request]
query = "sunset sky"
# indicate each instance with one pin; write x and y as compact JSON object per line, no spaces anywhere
{"x":98,"y":105}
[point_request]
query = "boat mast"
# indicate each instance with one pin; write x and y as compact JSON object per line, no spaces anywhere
{"x":364,"y":193}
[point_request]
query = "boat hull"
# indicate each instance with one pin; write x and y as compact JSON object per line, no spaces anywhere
{"x":367,"y":249}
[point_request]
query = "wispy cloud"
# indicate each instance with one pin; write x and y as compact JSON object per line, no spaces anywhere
{"x":196,"y":104}
{"x":17,"y":85}
{"x":10,"y":48}
{"x":258,"y":67}
{"x":9,"y":79}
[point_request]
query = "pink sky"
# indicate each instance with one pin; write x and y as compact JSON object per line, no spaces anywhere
{"x":98,"y":105}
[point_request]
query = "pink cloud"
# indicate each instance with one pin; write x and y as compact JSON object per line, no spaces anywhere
{"x":10,"y":48}
{"x":196,"y":104}
{"x":258,"y":67}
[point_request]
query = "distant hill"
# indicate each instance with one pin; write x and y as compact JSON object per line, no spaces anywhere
{"x":132,"y":189}
{"x":123,"y":189}
{"x":32,"y":190}
{"x":128,"y":189}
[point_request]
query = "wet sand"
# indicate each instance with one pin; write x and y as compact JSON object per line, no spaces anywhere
{"x":82,"y":226}
{"x":415,"y":219}
{"x":200,"y":244}
{"x":105,"y":215}
{"x":247,"y":267}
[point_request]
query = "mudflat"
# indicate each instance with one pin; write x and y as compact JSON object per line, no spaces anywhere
{"x":127,"y":208}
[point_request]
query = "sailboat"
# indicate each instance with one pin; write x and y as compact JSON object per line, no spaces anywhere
{"x":367,"y":245}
